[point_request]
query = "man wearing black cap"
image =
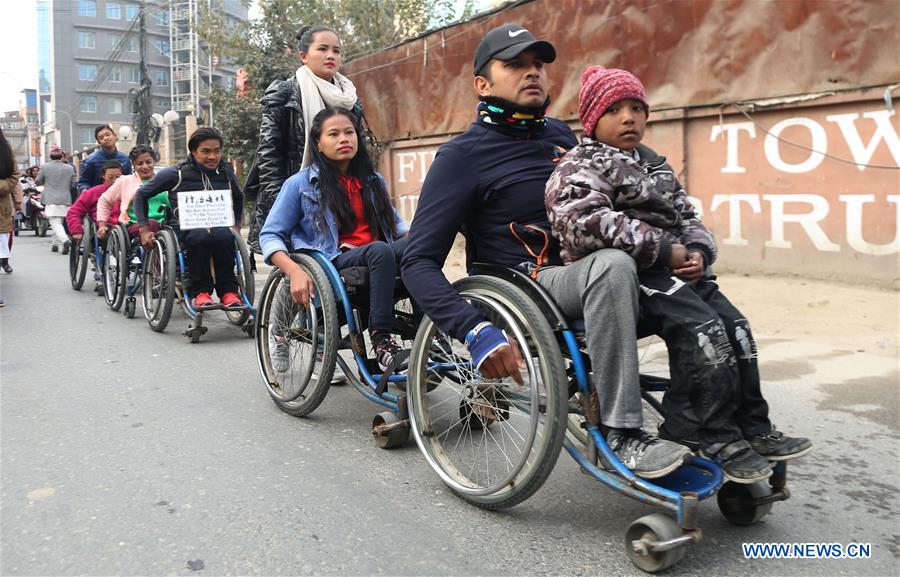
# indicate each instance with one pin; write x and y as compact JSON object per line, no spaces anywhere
{"x":490,"y":181}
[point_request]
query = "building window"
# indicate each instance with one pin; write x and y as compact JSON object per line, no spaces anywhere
{"x":131,"y":12}
{"x":113,"y":10}
{"x":115,"y":74}
{"x":115,"y":105}
{"x":114,"y":40}
{"x":87,"y":8}
{"x":162,"y":77}
{"x":87,"y":137}
{"x":132,"y":44}
{"x":87,"y":72}
{"x":134,"y":75}
{"x":162,"y":47}
{"x":86,"y":40}
{"x":89,"y":104}
{"x":162,"y":18}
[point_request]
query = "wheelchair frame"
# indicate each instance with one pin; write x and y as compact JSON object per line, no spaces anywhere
{"x":167,"y":259}
{"x":653,"y":542}
{"x":121,"y":275}
{"x":89,"y":251}
{"x":389,"y":428}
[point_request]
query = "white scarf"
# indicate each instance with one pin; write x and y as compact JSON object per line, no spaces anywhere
{"x":315,"y":94}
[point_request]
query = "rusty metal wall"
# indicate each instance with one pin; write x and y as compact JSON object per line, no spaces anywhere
{"x":687,"y":52}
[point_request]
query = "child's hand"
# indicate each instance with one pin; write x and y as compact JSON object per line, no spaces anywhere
{"x":679,"y":257}
{"x":692,"y":271}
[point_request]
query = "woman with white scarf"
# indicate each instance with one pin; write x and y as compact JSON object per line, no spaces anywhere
{"x":288,"y":109}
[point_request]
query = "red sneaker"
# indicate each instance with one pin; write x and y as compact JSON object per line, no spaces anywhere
{"x":231,"y":301}
{"x":203,"y":300}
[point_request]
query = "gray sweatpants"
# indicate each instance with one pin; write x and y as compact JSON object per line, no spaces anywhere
{"x":603,"y":290}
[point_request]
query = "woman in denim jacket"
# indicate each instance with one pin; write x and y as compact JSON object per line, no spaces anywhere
{"x":339,"y":206}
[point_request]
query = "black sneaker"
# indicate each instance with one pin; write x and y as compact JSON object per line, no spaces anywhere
{"x":385,"y":351}
{"x":54,"y":248}
{"x":66,"y":246}
{"x":648,"y":456}
{"x":739,"y":462}
{"x":776,"y":446}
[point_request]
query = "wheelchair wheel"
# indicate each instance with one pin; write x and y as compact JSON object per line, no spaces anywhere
{"x":115,"y":267}
{"x":296,"y":346}
{"x":493,"y":442}
{"x":158,"y":280}
{"x":80,"y":254}
{"x":244,"y":274}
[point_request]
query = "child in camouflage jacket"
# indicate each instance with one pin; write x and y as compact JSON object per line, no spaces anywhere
{"x":612,"y":192}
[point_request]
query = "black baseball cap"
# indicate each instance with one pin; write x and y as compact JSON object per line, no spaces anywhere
{"x":508,"y":41}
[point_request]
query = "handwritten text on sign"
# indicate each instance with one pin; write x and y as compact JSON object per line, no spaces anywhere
{"x":205,"y":209}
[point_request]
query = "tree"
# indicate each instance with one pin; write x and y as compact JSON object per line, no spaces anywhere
{"x":266,"y":48}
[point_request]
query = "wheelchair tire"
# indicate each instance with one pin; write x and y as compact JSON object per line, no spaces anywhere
{"x":158,"y":280}
{"x":244,"y":276}
{"x":310,"y":336}
{"x":521,"y":428}
{"x":115,"y":267}
{"x":80,"y":254}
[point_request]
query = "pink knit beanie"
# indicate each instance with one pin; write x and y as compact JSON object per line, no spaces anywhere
{"x":601,"y":88}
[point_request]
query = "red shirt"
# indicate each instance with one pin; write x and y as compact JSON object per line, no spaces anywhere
{"x":363,"y":233}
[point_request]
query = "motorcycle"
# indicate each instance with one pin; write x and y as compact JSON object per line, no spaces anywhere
{"x":33,"y":217}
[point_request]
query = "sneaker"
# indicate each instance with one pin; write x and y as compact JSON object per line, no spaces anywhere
{"x":232,"y":301}
{"x":775,"y":446}
{"x":203,"y":300}
{"x":7,"y":268}
{"x":385,"y":351}
{"x":2,"y":304}
{"x":279,"y":351}
{"x":66,"y":246}
{"x":54,"y":248}
{"x":648,"y":456}
{"x":739,"y":462}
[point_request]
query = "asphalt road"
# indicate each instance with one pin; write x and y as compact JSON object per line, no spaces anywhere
{"x":129,"y":452}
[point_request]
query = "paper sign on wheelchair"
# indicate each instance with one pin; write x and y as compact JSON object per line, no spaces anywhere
{"x":205,"y":209}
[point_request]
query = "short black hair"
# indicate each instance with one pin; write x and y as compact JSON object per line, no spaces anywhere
{"x":100,"y":128}
{"x":204,"y":133}
{"x":142,"y":149}
{"x":111,"y":165}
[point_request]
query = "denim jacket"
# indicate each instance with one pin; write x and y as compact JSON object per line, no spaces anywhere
{"x":299,"y":215}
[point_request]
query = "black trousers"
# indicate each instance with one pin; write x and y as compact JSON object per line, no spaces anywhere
{"x":715,"y":385}
{"x":383,"y":260}
{"x":201,"y":244}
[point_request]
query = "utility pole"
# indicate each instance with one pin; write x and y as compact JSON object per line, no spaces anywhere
{"x":142,"y":103}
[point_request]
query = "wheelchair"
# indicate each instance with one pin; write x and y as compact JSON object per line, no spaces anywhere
{"x":164,"y":276}
{"x":494,"y":442}
{"x":122,"y":270}
{"x":313,"y":336}
{"x":90,"y":250}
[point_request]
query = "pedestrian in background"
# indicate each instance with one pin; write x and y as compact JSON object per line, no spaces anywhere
{"x":57,"y":178}
{"x":92,"y":167}
{"x":10,"y":200}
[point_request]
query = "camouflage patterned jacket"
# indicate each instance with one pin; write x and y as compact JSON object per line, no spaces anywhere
{"x":602,"y":197}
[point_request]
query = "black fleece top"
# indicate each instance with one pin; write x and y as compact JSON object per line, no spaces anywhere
{"x":480,"y":182}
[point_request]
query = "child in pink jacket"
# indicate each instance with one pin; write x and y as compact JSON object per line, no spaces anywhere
{"x":87,"y":202}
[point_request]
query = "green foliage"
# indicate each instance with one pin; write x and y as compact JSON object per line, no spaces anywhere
{"x":266,"y":48}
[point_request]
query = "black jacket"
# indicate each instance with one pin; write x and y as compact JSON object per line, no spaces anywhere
{"x":281,"y":145}
{"x":188,"y":176}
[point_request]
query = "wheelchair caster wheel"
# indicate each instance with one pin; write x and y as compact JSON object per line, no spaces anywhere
{"x":647,"y":532}
{"x":98,"y":290}
{"x":389,"y":430}
{"x":195,"y":332}
{"x":739,"y":502}
{"x":130,"y":307}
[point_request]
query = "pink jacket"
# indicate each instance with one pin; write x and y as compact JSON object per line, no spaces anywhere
{"x":86,"y":204}
{"x":118,"y":198}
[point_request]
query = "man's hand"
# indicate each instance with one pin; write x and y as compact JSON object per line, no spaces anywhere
{"x":146,"y":237}
{"x":504,"y":362}
{"x":692,"y":271}
{"x":678,"y":258}
{"x":302,"y":287}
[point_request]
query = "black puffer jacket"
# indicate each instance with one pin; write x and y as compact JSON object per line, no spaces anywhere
{"x":281,"y":144}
